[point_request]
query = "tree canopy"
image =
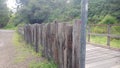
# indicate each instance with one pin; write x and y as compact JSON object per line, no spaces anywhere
{"x":38,"y":11}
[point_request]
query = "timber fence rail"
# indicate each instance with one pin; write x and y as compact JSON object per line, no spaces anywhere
{"x":109,"y":31}
{"x":57,"y":41}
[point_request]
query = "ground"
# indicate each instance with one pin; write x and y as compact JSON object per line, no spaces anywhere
{"x":12,"y":56}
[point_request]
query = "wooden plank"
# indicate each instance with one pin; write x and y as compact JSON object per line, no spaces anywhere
{"x":37,"y":36}
{"x":103,"y":24}
{"x":88,"y":33}
{"x":44,"y":40}
{"x":111,"y":35}
{"x":61,"y":43}
{"x":25,"y":32}
{"x":40,"y":46}
{"x":102,"y":58}
{"x":105,"y":63}
{"x":108,"y":37}
{"x":54,"y":39}
{"x":30,"y":34}
{"x":48,"y":34}
{"x":68,"y":46}
{"x":76,"y":45}
{"x":32,"y":30}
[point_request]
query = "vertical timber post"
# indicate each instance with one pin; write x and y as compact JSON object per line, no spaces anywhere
{"x":84,"y":10}
{"x":108,"y":37}
{"x":88,"y":33}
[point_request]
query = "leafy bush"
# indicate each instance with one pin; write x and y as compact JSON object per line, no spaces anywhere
{"x":99,"y":29}
{"x":115,"y":29}
{"x":10,"y":26}
{"x":108,"y":19}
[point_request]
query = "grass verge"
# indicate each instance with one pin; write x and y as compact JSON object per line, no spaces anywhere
{"x":25,"y":51}
{"x":44,"y":64}
{"x":103,"y":40}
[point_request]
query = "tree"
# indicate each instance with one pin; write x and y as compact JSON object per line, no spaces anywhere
{"x":39,"y":11}
{"x":98,"y":9}
{"x":4,"y":13}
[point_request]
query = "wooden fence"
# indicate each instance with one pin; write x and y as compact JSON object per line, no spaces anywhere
{"x":107,"y":31}
{"x":57,"y":41}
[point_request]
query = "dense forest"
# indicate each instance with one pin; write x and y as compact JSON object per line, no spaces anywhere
{"x":43,"y":11}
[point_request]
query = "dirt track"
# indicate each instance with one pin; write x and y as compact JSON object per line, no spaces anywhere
{"x":7,"y":51}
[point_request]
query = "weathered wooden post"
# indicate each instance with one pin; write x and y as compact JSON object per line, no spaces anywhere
{"x":76,"y":46}
{"x":68,"y":46}
{"x":108,"y":36}
{"x":88,"y":33}
{"x":37,"y":40}
{"x":61,"y":43}
{"x":40,"y":46}
{"x":84,"y":10}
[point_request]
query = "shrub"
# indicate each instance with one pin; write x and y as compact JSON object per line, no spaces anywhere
{"x":108,"y":19}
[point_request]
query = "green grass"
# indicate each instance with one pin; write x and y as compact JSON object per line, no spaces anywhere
{"x":22,"y":51}
{"x":115,"y":43}
{"x":45,"y":64}
{"x":25,"y":50}
{"x":103,"y":41}
{"x":98,"y":40}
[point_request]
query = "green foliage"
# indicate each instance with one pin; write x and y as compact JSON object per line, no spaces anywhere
{"x":4,"y":13}
{"x":98,"y":40}
{"x":98,"y":9}
{"x":21,"y":51}
{"x":24,"y":50}
{"x":115,"y":30}
{"x":36,"y":11}
{"x":108,"y":19}
{"x":44,"y":64}
{"x":103,"y":41}
{"x":39,"y":11}
{"x":99,"y":29}
{"x":115,"y":43}
{"x":10,"y":26}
